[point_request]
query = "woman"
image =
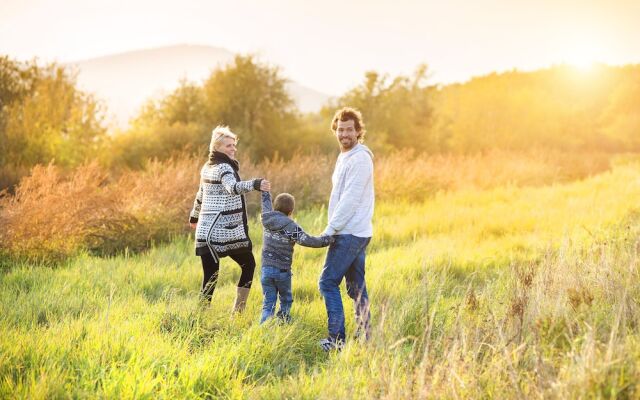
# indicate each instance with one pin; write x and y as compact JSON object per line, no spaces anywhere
{"x":220,"y":218}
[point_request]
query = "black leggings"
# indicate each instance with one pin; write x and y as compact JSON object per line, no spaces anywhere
{"x":210,"y":268}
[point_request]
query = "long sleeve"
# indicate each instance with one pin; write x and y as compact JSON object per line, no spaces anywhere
{"x":295,"y":232}
{"x":267,"y":205}
{"x":354,"y":187}
{"x":232,"y":185}
{"x":197,"y":204}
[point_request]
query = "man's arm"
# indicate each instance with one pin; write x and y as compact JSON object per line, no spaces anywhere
{"x":356,"y":181}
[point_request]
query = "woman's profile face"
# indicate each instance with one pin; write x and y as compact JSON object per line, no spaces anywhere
{"x":228,"y":147}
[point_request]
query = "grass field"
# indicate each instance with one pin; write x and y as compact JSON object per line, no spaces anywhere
{"x":507,"y":292}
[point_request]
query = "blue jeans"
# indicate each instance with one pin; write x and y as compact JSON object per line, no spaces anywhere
{"x":276,"y":283}
{"x":345,"y":259}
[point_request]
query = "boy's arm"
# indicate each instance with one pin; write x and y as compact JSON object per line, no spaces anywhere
{"x":294,"y":232}
{"x":266,"y":202}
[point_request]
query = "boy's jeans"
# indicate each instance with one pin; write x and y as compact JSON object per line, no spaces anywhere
{"x":345,"y":259}
{"x":276,"y":282}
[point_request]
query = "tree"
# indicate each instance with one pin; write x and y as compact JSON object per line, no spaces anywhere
{"x":164,"y":128}
{"x":621,"y":118}
{"x":398,"y":113}
{"x":559,"y":107}
{"x":252,"y":99}
{"x":44,"y":117}
{"x":248,"y":96}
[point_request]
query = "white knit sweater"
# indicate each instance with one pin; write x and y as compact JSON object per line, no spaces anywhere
{"x":220,"y":211}
{"x":352,"y":196}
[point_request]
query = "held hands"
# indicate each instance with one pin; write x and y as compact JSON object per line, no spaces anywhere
{"x":328,"y":239}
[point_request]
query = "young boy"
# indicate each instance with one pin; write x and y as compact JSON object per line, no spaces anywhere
{"x":281,"y":233}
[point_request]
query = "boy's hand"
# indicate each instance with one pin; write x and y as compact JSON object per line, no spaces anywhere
{"x":265,"y":186}
{"x":328,"y":239}
{"x":193,"y":225}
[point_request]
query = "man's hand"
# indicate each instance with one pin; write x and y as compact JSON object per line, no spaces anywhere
{"x":265,"y":186}
{"x":193,"y":225}
{"x":329,"y":231}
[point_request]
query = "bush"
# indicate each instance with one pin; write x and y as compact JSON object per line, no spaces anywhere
{"x":56,"y":214}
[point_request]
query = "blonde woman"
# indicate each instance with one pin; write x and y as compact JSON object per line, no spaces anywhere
{"x":219,"y":216}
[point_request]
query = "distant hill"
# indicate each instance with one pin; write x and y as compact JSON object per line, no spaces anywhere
{"x":126,"y":80}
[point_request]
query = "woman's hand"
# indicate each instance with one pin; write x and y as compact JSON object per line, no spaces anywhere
{"x":193,"y":225}
{"x":265,"y":185}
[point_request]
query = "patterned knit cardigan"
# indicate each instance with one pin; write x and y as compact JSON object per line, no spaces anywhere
{"x":220,"y":208}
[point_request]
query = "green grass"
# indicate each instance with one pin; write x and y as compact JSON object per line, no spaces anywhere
{"x":510,"y":292}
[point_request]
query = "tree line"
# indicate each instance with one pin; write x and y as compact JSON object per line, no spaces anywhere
{"x":45,"y":118}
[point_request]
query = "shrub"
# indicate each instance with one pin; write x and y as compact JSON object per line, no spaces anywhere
{"x":55,"y":214}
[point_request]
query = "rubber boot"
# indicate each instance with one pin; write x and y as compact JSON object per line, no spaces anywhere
{"x":241,"y":299}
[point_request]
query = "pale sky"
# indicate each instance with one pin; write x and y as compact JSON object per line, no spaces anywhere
{"x":328,"y":45}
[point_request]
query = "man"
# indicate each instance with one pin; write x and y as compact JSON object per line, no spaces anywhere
{"x":350,"y":212}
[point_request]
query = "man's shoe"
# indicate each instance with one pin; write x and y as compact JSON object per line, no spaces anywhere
{"x":329,"y":344}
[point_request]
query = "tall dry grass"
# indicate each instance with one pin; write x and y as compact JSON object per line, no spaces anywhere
{"x":411,"y":176}
{"x":55,"y":214}
{"x":10,"y":175}
{"x":539,"y":309}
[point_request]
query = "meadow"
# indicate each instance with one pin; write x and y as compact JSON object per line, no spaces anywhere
{"x":487,"y":280}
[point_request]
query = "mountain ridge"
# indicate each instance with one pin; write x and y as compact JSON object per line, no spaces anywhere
{"x":126,"y":80}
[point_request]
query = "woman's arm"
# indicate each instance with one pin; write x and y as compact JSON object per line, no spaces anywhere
{"x":197,"y":203}
{"x":232,"y":185}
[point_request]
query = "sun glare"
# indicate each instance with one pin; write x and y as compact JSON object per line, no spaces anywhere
{"x":582,"y":59}
{"x":583,"y":51}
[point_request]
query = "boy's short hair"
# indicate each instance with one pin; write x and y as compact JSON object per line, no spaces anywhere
{"x":285,"y":203}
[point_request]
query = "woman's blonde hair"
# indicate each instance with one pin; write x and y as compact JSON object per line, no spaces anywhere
{"x":218,"y":134}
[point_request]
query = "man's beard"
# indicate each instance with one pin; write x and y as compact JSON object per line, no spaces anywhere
{"x":347,"y":144}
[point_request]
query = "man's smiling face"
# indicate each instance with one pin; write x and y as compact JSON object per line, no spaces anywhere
{"x":347,"y":135}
